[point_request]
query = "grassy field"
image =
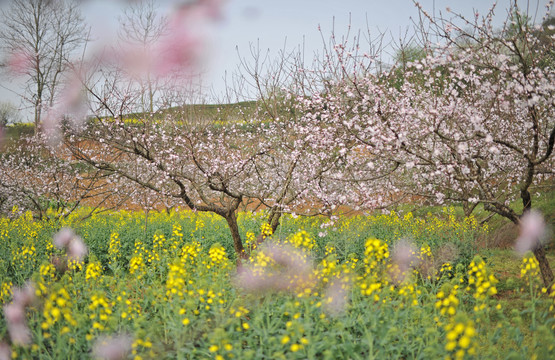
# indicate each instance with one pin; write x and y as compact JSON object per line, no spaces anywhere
{"x":169,"y":288}
{"x":16,"y":131}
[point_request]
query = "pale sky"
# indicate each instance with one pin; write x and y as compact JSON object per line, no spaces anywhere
{"x":270,"y":23}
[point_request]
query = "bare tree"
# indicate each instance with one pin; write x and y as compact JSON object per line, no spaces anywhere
{"x":141,"y":26}
{"x":8,"y":114}
{"x":40,"y":36}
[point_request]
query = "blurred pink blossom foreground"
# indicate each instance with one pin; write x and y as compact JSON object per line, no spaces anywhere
{"x":112,"y":348}
{"x":5,"y":351}
{"x":404,"y":257}
{"x":14,"y":314}
{"x":295,"y":271}
{"x":74,"y":245}
{"x":337,"y":295}
{"x":533,"y":232}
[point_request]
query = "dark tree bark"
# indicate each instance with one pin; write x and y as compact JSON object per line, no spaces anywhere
{"x":231,"y":219}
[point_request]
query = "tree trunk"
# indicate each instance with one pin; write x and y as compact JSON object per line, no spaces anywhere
{"x":547,"y":274}
{"x":539,"y":250}
{"x":273,"y":218}
{"x":37,"y":118}
{"x":231,"y":219}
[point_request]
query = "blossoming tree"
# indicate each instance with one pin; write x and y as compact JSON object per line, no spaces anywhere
{"x":471,"y":122}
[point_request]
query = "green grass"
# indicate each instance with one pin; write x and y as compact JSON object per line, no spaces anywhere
{"x":213,"y":112}
{"x":15,"y":132}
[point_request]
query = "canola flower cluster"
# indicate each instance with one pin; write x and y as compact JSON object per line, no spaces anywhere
{"x":301,"y":240}
{"x":481,"y":282}
{"x":177,"y":293}
{"x":431,"y":226}
{"x":448,"y":303}
{"x":250,"y":241}
{"x":136,"y":265}
{"x":100,"y":311}
{"x":218,"y":256}
{"x":530,"y":268}
{"x":57,"y":309}
{"x":114,"y":249}
{"x":190,"y":252}
{"x":93,"y":271}
{"x":5,"y":291}
{"x":460,"y":334}
{"x":375,"y":253}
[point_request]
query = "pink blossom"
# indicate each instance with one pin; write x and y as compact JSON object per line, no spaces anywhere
{"x":19,"y":62}
{"x":179,"y":50}
{"x":249,"y":279}
{"x":74,"y":245}
{"x":112,"y":348}
{"x":24,"y":296}
{"x":14,"y":313}
{"x":182,"y":47}
{"x":77,"y":249}
{"x":335,"y":298}
{"x":5,"y":351}
{"x":404,"y":257}
{"x":295,"y":271}
{"x":71,"y":104}
{"x":532,"y":232}
{"x":289,"y":257}
{"x":63,"y":237}
{"x":17,"y":324}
